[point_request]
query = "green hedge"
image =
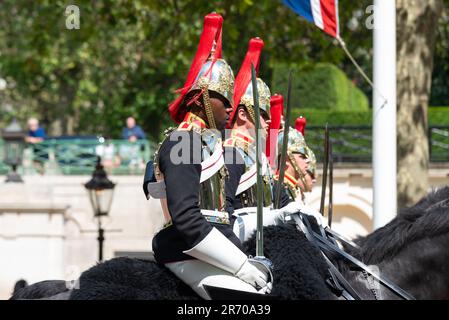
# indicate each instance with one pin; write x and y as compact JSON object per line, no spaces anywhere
{"x":438,"y":116}
{"x":321,"y":86}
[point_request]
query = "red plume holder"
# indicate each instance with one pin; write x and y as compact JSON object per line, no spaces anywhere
{"x":300,"y":125}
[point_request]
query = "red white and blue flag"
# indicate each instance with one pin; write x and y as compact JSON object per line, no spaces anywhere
{"x":323,"y":13}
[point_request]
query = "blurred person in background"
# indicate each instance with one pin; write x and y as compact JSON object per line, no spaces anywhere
{"x":132,"y":131}
{"x":108,"y":153}
{"x":130,"y":153}
{"x":35,"y":136}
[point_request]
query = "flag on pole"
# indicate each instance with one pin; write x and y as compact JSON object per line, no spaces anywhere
{"x":323,"y":13}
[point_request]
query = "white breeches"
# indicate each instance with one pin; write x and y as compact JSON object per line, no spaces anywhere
{"x":246,"y":225}
{"x":196,"y":274}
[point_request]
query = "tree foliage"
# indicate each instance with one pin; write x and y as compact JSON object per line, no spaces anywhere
{"x":128,"y":56}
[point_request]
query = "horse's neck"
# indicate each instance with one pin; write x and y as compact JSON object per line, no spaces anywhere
{"x":420,"y":268}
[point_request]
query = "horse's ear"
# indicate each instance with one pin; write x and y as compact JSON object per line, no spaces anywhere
{"x":20,"y":284}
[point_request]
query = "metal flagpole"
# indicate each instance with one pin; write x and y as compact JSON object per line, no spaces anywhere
{"x":384,"y":114}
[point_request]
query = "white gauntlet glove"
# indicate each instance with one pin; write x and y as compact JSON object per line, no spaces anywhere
{"x":289,"y":209}
{"x":219,"y":251}
{"x":322,"y":221}
{"x":292,"y":207}
{"x":295,"y":207}
{"x":253,"y":275}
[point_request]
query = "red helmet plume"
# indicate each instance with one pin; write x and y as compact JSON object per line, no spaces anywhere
{"x":276,"y":110}
{"x":210,"y":37}
{"x":244,"y":76}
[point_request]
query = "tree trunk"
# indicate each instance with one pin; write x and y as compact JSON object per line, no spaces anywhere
{"x":417,"y":25}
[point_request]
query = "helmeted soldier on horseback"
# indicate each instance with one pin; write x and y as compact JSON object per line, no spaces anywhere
{"x":197,"y":242}
{"x":300,"y":165}
{"x":240,"y":151}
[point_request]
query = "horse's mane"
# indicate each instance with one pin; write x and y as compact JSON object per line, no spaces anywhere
{"x":426,"y":219}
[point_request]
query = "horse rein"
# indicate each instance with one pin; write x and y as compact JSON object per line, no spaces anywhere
{"x":328,"y":244}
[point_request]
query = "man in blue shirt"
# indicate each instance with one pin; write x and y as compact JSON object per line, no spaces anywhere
{"x":132,"y":132}
{"x":36,"y":134}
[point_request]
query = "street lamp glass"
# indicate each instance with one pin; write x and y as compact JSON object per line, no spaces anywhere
{"x":100,"y":190}
{"x":13,"y":143}
{"x":13,"y":152}
{"x":101,"y":201}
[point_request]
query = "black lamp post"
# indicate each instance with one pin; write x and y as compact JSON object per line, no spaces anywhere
{"x":100,"y":190}
{"x":13,"y":149}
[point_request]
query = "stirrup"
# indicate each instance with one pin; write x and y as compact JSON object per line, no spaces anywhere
{"x":263,"y":264}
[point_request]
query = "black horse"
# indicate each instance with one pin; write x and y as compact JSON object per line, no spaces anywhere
{"x":411,"y":251}
{"x":125,"y":278}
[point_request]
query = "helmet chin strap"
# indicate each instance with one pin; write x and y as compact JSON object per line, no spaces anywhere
{"x":301,"y":175}
{"x":252,"y":116}
{"x":208,"y":109}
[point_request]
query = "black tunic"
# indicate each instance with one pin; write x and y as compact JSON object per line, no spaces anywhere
{"x":182,"y":188}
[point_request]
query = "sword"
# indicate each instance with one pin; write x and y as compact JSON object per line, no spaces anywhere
{"x":277,"y":202}
{"x":331,"y":185}
{"x":259,"y":231}
{"x":259,"y":260}
{"x":325,"y":163}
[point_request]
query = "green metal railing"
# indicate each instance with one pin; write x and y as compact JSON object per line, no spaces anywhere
{"x":79,"y":156}
{"x":354,"y":143}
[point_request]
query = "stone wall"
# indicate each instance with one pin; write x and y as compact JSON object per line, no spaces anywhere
{"x":47,"y":229}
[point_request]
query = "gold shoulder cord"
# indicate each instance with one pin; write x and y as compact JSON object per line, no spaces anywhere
{"x":157,"y":171}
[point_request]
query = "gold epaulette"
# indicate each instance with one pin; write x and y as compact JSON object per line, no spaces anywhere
{"x":236,"y":143}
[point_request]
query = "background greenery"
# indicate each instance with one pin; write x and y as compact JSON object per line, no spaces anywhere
{"x":321,"y":86}
{"x":438,"y":116}
{"x":128,"y":57}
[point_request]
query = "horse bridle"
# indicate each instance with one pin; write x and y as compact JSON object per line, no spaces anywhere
{"x":326,"y":243}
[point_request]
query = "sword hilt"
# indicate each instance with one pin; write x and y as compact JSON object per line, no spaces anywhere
{"x":263,"y":264}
